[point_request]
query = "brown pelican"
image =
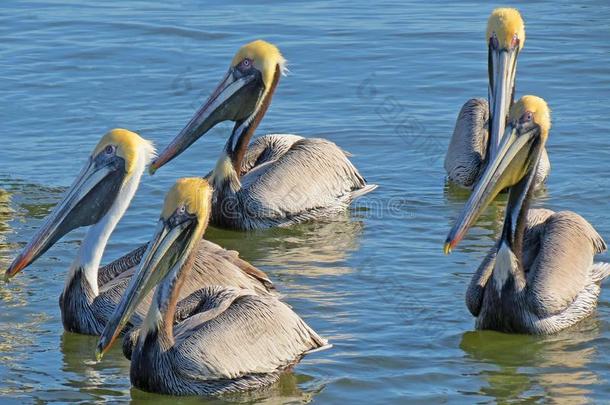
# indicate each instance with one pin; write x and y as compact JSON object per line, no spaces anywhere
{"x":540,"y":277}
{"x":480,"y":125}
{"x":98,"y":198}
{"x":280,"y":179}
{"x":237,"y":341}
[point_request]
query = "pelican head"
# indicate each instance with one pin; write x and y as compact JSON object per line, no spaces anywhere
{"x":118,"y":159}
{"x":183,"y":221}
{"x":242,"y":96}
{"x":513,"y":167}
{"x":505,"y":39}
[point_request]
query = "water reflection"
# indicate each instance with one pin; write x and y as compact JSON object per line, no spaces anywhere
{"x":533,"y":367}
{"x":488,"y":226}
{"x":22,"y":321}
{"x":286,"y":390}
{"x":107,"y":378}
{"x":312,"y":249}
{"x":29,"y":203}
{"x":20,"y":200}
{"x":78,"y":358}
{"x":5,"y":214}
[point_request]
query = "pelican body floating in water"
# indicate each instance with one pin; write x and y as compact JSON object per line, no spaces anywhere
{"x":98,"y":198}
{"x":280,"y":179}
{"x":480,"y":123}
{"x":237,"y":341}
{"x":540,"y":277}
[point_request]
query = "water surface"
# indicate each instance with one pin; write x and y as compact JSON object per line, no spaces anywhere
{"x":384,"y":80}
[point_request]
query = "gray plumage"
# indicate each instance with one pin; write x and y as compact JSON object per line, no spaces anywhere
{"x":236,"y":341}
{"x":83,"y":312}
{"x":466,"y":157}
{"x":286,"y":179}
{"x":558,"y":287}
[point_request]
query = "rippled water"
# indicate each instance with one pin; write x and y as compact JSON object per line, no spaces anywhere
{"x":385,"y":81}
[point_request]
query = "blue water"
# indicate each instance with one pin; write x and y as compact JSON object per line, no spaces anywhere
{"x":384,"y":80}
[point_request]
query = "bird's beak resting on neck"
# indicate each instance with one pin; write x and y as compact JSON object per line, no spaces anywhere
{"x":515,"y":161}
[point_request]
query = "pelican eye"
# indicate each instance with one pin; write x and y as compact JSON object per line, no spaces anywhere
{"x":245,"y":65}
{"x":180,"y":216}
{"x":110,"y":150}
{"x":515,"y":41}
{"x":527,"y":117}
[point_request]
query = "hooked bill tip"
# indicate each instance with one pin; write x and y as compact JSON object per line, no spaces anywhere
{"x":20,"y":263}
{"x":447,"y":247}
{"x":99,"y":353}
{"x":10,"y":273}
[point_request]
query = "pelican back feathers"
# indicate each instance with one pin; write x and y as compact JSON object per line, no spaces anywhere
{"x":465,"y":157}
{"x":562,"y":281}
{"x":291,"y":180}
{"x":237,"y":341}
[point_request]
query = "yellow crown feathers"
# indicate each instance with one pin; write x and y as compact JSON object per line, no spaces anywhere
{"x":129,"y":146}
{"x":505,"y":23}
{"x":539,"y":109}
{"x":194,"y":193}
{"x":266,"y":58}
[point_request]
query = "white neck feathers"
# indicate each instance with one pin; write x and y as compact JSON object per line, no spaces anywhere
{"x":224,"y":172}
{"x":92,"y":247}
{"x":506,"y":265}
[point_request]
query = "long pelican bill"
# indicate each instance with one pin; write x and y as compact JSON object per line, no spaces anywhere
{"x":502,"y":69}
{"x":233,"y":99}
{"x":166,"y":252}
{"x":518,"y":153}
{"x":506,"y":38}
{"x":87,"y":200}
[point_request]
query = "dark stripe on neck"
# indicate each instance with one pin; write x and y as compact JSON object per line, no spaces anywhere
{"x":241,"y":146}
{"x":519,"y":198}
